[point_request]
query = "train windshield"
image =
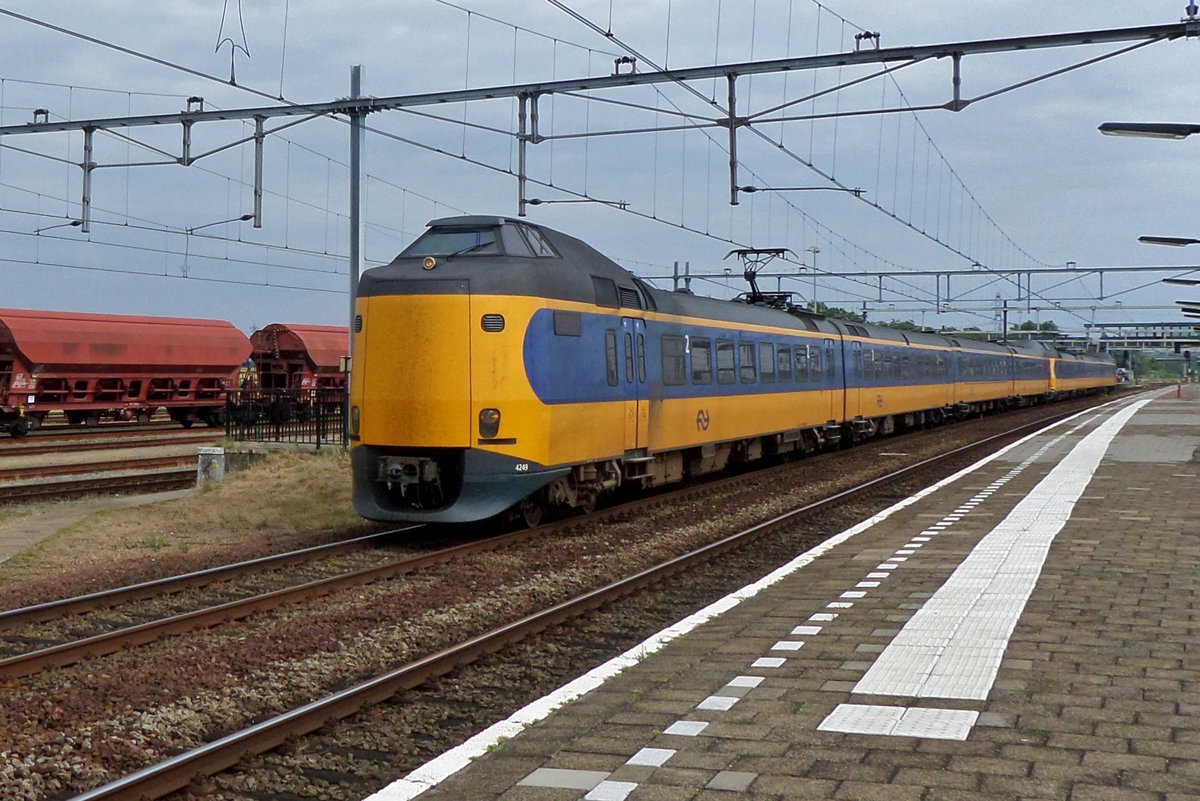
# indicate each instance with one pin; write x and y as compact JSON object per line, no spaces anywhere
{"x":454,"y":242}
{"x":510,"y":239}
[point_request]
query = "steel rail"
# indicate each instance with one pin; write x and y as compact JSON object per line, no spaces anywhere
{"x":76,"y":441}
{"x":80,"y":468}
{"x":158,"y":780}
{"x":131,"y":636}
{"x":169,"y":585}
{"x":101,"y":485}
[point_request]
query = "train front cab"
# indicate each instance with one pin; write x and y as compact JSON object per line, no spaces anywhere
{"x":412,"y":410}
{"x":478,"y":381}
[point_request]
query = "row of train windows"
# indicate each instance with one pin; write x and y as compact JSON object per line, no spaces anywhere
{"x":767,"y":363}
{"x":879,"y":364}
{"x":761,"y":362}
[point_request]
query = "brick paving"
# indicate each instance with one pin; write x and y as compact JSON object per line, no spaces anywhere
{"x":1094,"y":695}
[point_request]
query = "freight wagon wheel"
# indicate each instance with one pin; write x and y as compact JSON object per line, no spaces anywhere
{"x":20,"y":427}
{"x":186,"y":422}
{"x":92,"y":419}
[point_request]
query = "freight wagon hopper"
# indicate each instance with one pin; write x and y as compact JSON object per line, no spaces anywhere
{"x":300,"y":356}
{"x":96,"y":366}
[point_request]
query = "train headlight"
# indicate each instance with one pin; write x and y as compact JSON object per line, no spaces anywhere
{"x":354,"y":421}
{"x":429,"y":263}
{"x":489,"y":422}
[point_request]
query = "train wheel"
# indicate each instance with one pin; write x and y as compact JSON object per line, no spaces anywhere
{"x":92,"y":419}
{"x":20,"y":427}
{"x":531,"y":511}
{"x":186,"y":422}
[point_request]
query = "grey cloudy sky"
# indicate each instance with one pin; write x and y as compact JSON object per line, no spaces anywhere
{"x":1044,"y":187}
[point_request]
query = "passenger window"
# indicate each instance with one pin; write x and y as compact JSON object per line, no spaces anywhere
{"x":766,"y":362}
{"x":628,"y":358}
{"x":746,"y":371}
{"x":784,"y":363}
{"x":701,"y":361}
{"x":725,"y":362}
{"x":610,"y":356}
{"x":802,"y":363}
{"x":814,"y":363}
{"x":830,"y":367}
{"x":674,"y":367}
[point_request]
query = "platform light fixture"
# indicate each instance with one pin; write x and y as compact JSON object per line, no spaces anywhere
{"x":243,"y":218}
{"x":1152,"y":130}
{"x":71,"y":224}
{"x":1172,"y":241}
{"x":856,"y":191}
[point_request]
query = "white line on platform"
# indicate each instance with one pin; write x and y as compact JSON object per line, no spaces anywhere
{"x":438,"y":769}
{"x":952,"y":646}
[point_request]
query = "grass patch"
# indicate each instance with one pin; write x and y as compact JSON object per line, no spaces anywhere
{"x":284,"y":501}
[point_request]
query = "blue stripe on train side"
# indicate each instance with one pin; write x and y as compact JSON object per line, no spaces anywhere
{"x":571,"y":369}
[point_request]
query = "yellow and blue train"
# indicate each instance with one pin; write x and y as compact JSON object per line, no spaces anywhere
{"x":503,"y":367}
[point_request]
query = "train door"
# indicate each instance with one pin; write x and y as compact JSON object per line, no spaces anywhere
{"x":637,"y":406}
{"x":852,"y":380}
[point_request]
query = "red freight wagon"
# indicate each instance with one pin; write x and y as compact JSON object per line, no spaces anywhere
{"x":300,"y":356}
{"x":92,"y":366}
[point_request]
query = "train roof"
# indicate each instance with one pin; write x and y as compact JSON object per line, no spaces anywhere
{"x":563,"y":271}
{"x":322,"y":346}
{"x":55,"y":338}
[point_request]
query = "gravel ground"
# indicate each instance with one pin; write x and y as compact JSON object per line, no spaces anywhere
{"x":71,"y":729}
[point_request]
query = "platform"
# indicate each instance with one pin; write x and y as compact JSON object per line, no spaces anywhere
{"x":1026,"y":629}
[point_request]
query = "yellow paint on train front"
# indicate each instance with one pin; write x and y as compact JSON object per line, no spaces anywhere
{"x":546,"y":434}
{"x":411,"y":371}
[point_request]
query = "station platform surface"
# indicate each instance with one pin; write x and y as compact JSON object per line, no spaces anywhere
{"x":1026,"y":629}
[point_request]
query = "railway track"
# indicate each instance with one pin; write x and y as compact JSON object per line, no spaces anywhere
{"x":75,"y":440}
{"x":175,"y":773}
{"x":160,"y":481}
{"x":31,"y":469}
{"x":17,"y":624}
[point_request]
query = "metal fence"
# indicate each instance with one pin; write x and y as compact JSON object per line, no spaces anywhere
{"x":302,"y":416}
